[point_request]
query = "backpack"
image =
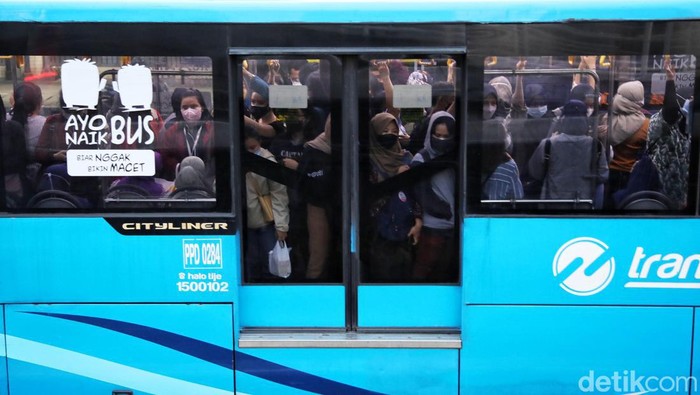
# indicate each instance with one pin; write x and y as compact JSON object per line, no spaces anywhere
{"x":395,"y":217}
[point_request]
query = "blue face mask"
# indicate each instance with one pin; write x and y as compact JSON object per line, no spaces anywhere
{"x":537,"y":112}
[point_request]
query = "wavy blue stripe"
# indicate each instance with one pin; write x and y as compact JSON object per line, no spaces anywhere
{"x":221,"y":356}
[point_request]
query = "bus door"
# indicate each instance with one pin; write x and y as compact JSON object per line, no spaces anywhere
{"x":408,"y":216}
{"x":371,"y":228}
{"x":344,"y":198}
{"x":281,"y":121}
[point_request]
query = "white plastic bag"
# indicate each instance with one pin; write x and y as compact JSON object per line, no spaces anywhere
{"x":279,"y":263}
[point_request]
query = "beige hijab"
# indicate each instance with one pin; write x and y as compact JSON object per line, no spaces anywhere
{"x":627,"y":113}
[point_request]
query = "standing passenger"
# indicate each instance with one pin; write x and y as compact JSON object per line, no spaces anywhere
{"x":263,"y":233}
{"x":317,"y":186}
{"x":397,"y":217}
{"x":435,"y":250}
{"x":575,"y":164}
{"x":628,"y":135}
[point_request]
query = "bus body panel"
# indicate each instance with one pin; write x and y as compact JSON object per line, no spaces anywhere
{"x":3,"y":359}
{"x":175,"y":348}
{"x":349,"y":371}
{"x":295,"y":306}
{"x":696,"y":353}
{"x":409,"y":305}
{"x":86,"y":260}
{"x":517,"y":349}
{"x":581,"y":261}
{"x":412,"y":11}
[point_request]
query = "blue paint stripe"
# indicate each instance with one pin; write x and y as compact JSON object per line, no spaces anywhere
{"x":218,"y":355}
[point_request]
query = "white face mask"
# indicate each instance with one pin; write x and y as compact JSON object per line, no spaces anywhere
{"x":537,"y":112}
{"x":192,"y":114}
{"x":489,"y":111}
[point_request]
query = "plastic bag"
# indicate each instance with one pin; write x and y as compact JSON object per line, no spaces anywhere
{"x":279,"y":263}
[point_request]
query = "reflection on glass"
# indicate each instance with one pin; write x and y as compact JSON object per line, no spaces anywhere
{"x":574,"y":147}
{"x":287,"y":121}
{"x":105,"y":134}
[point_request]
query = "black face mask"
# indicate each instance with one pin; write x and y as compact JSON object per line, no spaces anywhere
{"x":259,"y":112}
{"x":387,"y":140}
{"x":441,"y":145}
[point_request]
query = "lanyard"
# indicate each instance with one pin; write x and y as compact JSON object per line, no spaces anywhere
{"x":192,"y":151}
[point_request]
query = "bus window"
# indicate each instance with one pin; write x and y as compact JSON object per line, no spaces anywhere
{"x":112,"y":132}
{"x":291,"y":171}
{"x":408,"y":172}
{"x":565,"y":133}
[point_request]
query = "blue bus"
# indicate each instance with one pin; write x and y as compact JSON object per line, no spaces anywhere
{"x":379,"y":197}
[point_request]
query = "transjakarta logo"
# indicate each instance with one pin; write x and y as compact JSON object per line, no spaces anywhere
{"x":585,"y":268}
{"x":629,"y":383}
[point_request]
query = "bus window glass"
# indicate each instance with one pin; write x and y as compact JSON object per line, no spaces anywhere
{"x":408,"y":171}
{"x":110,"y":132}
{"x":565,"y":133}
{"x":291,"y":174}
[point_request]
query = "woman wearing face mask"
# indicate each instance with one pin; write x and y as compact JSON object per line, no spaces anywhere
{"x":435,"y":250}
{"x":191,"y":135}
{"x":396,"y":217}
{"x":262,"y":118}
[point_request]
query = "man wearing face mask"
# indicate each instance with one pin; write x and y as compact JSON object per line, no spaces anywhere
{"x":529,"y":124}
{"x":435,"y":250}
{"x":191,"y":135}
{"x":262,"y":118}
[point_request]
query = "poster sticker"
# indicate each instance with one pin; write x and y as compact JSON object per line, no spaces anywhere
{"x":110,"y":163}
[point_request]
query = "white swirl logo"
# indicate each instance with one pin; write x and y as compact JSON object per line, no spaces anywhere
{"x":583,"y":266}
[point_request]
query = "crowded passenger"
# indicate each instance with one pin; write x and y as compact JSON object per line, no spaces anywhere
{"x":435,"y":250}
{"x":397,"y":217}
{"x":267,"y":212}
{"x":570,"y":164}
{"x":262,"y":118}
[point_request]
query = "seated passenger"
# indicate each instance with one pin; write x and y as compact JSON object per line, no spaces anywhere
{"x":191,"y":174}
{"x":26,"y":110}
{"x":155,"y":187}
{"x":500,"y":178}
{"x":191,"y":135}
{"x":397,"y":217}
{"x":14,"y":161}
{"x":570,"y":164}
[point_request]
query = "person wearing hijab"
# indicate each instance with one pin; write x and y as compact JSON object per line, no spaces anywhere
{"x":435,"y":250}
{"x":396,"y":217}
{"x":262,"y":118}
{"x":317,"y":186}
{"x":628,"y":135}
{"x":575,"y":165}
